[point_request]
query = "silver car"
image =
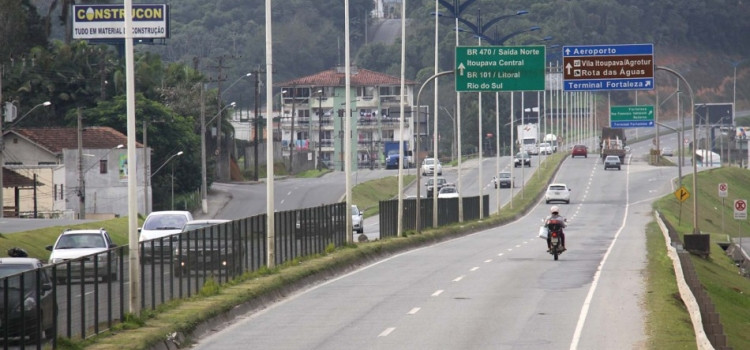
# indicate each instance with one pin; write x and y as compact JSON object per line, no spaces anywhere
{"x":358,"y":222}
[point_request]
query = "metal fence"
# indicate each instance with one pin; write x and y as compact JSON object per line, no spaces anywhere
{"x":447,"y":213}
{"x":82,"y":297}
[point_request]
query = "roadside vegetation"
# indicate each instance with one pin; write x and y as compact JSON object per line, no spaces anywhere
{"x":718,"y":273}
{"x":367,"y":195}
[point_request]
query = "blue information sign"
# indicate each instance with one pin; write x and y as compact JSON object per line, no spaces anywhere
{"x":608,"y":67}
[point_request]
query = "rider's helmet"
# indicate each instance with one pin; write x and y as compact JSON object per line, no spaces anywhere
{"x":554,"y":210}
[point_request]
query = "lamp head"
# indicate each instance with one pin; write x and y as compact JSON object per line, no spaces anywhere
{"x":179,"y":153}
{"x":119,"y":146}
{"x":46,"y":103}
{"x":521,"y":12}
{"x":534,"y":28}
{"x":233,"y":104}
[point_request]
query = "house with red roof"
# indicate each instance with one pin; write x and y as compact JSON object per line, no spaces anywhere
{"x":70,"y":180}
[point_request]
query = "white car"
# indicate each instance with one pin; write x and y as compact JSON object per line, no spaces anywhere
{"x":358,"y":222}
{"x":160,"y":224}
{"x":430,"y":165}
{"x":545,"y":148}
{"x":75,"y":244}
{"x":557,"y":193}
{"x":448,"y":192}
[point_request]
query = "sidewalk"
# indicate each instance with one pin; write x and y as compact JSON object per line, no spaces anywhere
{"x":217,"y":200}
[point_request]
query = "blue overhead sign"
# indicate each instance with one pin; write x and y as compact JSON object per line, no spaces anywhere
{"x":608,"y":67}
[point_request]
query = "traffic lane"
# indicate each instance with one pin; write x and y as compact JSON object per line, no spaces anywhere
{"x":447,"y":295}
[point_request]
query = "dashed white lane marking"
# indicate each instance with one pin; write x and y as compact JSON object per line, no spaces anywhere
{"x":510,"y":249}
{"x":414,"y":310}
{"x":387,"y":331}
{"x":282,"y":202}
{"x":458,"y":278}
{"x":474,"y":268}
{"x":518,"y":246}
{"x":500,"y":254}
{"x":488,"y":261}
{"x":438,"y":292}
{"x":289,"y":194}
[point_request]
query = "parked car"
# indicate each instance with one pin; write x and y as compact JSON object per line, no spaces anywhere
{"x":612,"y":162}
{"x":358,"y":222}
{"x":161,"y":224}
{"x":441,"y":181}
{"x":579,"y":151}
{"x":203,"y":249}
{"x":545,"y":148}
{"x":23,"y":296}
{"x":557,"y":192}
{"x":522,"y":159}
{"x":92,"y":247}
{"x":504,"y":179}
{"x":667,"y":152}
{"x":431,"y":165}
{"x":448,"y":191}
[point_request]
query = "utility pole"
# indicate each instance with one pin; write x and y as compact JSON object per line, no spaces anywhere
{"x":219,"y":79}
{"x":145,"y":167}
{"x":291,"y":145}
{"x":81,"y":175}
{"x":256,"y":140}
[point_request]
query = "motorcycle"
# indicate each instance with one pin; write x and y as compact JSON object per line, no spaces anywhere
{"x":555,"y":238}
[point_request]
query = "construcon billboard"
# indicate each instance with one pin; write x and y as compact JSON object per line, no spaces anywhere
{"x":150,"y":21}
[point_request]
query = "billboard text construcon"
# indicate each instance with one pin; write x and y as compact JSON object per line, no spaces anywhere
{"x":150,"y":21}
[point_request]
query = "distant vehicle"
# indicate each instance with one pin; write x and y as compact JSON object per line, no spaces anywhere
{"x":552,"y":140}
{"x":579,"y":150}
{"x":545,"y":148}
{"x":441,"y":181}
{"x":199,"y":248}
{"x":161,"y":224}
{"x":612,"y":143}
{"x":88,"y":245}
{"x":358,"y":222}
{"x":612,"y":162}
{"x":390,"y":150}
{"x":448,"y":192}
{"x":667,"y":152}
{"x":431,"y":165}
{"x":528,"y":137}
{"x":503,"y":179}
{"x":18,"y":297}
{"x":557,"y":192}
{"x":522,"y":159}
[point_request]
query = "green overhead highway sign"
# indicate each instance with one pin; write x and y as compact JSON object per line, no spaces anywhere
{"x":500,"y":68}
{"x":631,"y":116}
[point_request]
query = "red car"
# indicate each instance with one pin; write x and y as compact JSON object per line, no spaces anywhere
{"x":579,"y":150}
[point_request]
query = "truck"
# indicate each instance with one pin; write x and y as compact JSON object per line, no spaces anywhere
{"x":612,"y":142}
{"x":552,"y":140}
{"x":390,"y":151}
{"x":528,"y":138}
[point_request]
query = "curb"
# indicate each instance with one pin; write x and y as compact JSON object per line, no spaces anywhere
{"x":691,"y":304}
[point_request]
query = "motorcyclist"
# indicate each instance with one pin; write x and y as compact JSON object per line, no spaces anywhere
{"x":555,"y":217}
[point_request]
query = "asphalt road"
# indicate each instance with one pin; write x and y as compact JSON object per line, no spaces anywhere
{"x":494,"y":289}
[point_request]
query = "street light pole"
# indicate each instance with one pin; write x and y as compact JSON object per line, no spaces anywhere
{"x":2,"y":147}
{"x":320,"y":128}
{"x":204,"y":182}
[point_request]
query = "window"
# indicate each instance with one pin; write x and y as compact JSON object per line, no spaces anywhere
{"x":389,"y":90}
{"x":102,"y":166}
